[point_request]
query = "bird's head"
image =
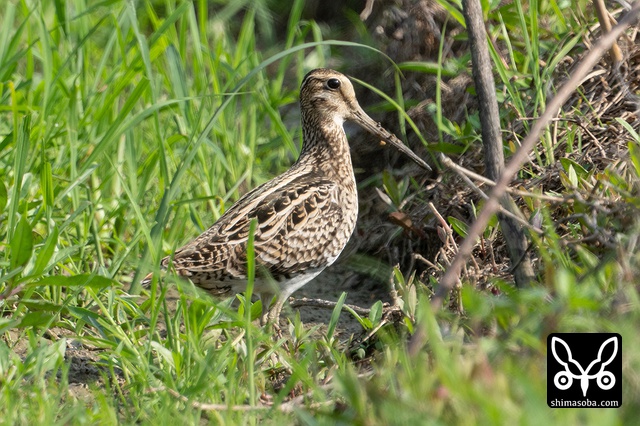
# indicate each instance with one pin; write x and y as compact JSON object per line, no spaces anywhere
{"x":327,"y":95}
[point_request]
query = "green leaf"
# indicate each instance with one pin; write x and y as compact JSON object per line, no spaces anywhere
{"x":629,"y":129}
{"x":36,"y":319}
{"x":96,"y":282}
{"x":5,"y":325}
{"x":46,"y":185}
{"x":19,"y":166}
{"x":391,"y":187}
{"x":411,"y":300}
{"x":634,"y":153}
{"x":427,"y":68}
{"x":454,"y":11}
{"x":335,"y":316}
{"x":458,"y":226}
{"x":8,"y":275}
{"x":21,"y":243}
{"x":376,"y":312}
{"x":568,"y":163}
{"x":397,"y":274}
{"x":61,"y":14}
{"x":84,"y":314}
{"x":573,"y":176}
{"x":42,"y":305}
{"x":3,"y":196}
{"x":493,"y":222}
{"x":44,"y":256}
{"x":447,"y":148}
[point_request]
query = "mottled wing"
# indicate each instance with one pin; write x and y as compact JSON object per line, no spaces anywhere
{"x":297,"y":219}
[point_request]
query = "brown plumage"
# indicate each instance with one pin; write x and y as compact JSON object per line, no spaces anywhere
{"x":304,"y":217}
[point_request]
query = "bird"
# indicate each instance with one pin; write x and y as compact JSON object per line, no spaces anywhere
{"x":304,"y":217}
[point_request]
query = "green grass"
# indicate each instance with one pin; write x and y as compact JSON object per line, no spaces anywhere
{"x":126,"y":130}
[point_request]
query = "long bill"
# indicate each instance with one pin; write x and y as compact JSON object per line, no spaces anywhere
{"x":363,"y":120}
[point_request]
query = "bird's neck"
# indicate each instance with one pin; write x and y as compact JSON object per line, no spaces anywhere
{"x":325,"y":143}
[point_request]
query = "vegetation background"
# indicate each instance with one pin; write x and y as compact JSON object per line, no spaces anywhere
{"x":126,"y":128}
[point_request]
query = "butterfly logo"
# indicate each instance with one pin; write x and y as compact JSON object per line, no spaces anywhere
{"x":564,"y":379}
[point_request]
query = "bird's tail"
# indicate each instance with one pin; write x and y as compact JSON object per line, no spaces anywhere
{"x":146,"y":281}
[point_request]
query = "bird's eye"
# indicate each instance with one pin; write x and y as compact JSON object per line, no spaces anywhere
{"x":333,"y":83}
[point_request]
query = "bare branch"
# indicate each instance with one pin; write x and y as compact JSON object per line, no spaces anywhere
{"x":510,"y":225}
{"x":326,"y":304}
{"x":605,"y":25}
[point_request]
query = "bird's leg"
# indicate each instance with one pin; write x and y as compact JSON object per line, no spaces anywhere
{"x":274,"y":314}
{"x":274,"y":318}
{"x":271,"y":317}
{"x":266,"y":299}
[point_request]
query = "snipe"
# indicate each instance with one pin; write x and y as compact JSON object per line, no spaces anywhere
{"x":304,"y":217}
